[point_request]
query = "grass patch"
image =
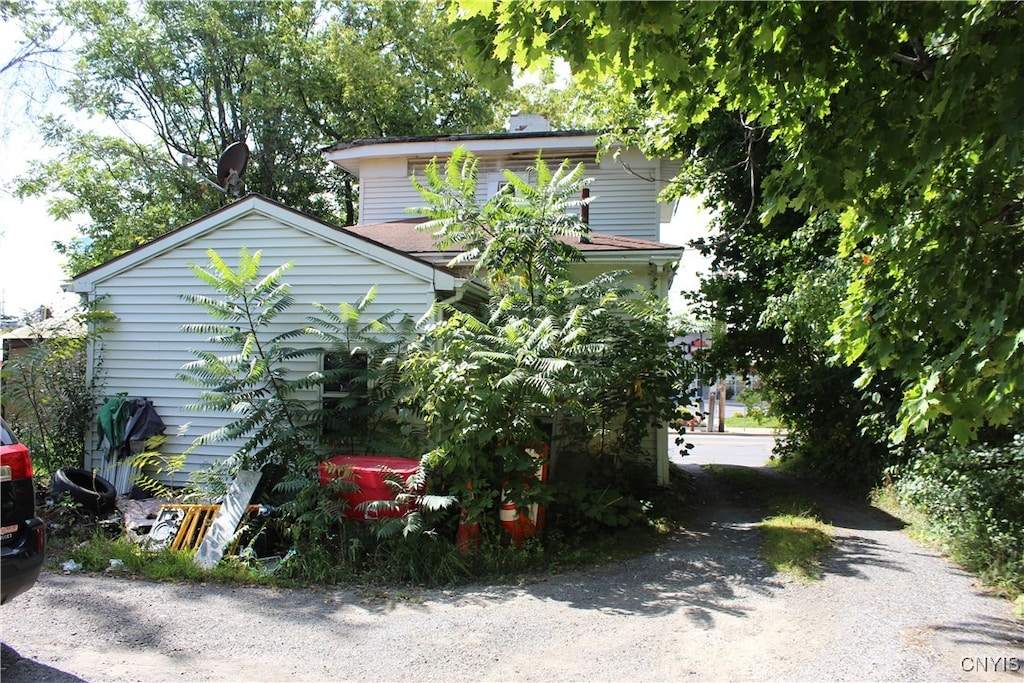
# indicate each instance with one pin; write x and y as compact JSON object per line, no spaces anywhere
{"x":744,"y":420}
{"x":793,"y":536}
{"x":122,"y":556}
{"x":918,"y":526}
{"x":794,"y":544}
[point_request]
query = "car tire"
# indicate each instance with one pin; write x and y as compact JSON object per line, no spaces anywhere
{"x":91,"y":491}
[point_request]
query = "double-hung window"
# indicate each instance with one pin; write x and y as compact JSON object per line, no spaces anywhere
{"x":345,"y":388}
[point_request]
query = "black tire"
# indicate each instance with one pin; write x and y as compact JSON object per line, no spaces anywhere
{"x":91,"y":491}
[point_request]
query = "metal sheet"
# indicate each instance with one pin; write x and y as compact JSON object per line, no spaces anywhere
{"x":226,"y":522}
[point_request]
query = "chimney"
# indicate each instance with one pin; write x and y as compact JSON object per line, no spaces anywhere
{"x":528,"y":123}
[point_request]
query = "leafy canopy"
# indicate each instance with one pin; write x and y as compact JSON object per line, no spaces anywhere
{"x":588,"y":364}
{"x":897,"y":119}
{"x":177,"y":82}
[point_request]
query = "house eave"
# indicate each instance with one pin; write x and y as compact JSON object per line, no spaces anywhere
{"x":349,"y":156}
{"x":659,"y":257}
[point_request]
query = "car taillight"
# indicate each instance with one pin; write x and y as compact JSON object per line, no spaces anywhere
{"x":15,"y":463}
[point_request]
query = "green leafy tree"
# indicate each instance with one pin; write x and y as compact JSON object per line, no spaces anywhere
{"x":566,"y":103}
{"x":592,"y":358}
{"x":893,"y":118}
{"x":774,"y":291}
{"x":251,"y":381}
{"x":130,"y":193}
{"x":419,"y":83}
{"x":48,"y":398}
{"x":34,"y":53}
{"x":183,"y":80}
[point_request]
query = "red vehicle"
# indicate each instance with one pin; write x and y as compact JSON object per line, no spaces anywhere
{"x":21,"y":532}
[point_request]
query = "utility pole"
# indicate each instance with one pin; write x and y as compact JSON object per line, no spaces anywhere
{"x":721,"y":404}
{"x":711,"y":409}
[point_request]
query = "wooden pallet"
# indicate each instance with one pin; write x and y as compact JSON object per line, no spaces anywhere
{"x":195,"y":524}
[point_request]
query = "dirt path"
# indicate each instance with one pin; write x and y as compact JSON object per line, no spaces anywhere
{"x":704,"y":607}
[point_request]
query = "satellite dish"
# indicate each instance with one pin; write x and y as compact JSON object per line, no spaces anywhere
{"x":231,"y":167}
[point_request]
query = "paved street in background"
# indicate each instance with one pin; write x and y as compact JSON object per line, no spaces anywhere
{"x":731,"y":448}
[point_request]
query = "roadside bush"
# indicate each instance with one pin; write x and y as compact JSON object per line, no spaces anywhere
{"x":974,"y":496}
{"x":828,"y":440}
{"x":593,"y":509}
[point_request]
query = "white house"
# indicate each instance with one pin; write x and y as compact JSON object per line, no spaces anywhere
{"x":145,"y":349}
{"x":625,"y":184}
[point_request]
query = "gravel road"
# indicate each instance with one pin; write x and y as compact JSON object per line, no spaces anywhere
{"x":703,"y":607}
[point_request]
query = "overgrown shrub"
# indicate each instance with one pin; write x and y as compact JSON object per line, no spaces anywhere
{"x":587,"y":365}
{"x":365,"y":356}
{"x":974,"y":495}
{"x":287,"y":438}
{"x":251,"y":379}
{"x":47,"y":397}
{"x":484,"y":387}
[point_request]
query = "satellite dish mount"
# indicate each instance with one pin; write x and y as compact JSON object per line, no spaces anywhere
{"x":231,"y":168}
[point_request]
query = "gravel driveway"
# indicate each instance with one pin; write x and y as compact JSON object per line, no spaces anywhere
{"x":704,"y":608}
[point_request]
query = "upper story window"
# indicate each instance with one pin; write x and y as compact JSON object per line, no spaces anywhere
{"x":496,"y":183}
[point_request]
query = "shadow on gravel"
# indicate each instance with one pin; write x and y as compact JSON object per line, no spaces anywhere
{"x":708,"y":573}
{"x":14,"y":668}
{"x":839,"y":510}
{"x":709,"y":570}
{"x":850,"y":554}
{"x":984,"y":630}
{"x":703,"y":573}
{"x":119,"y":622}
{"x":126,"y":623}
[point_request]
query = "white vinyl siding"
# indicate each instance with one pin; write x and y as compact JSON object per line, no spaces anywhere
{"x":383,"y":200}
{"x":146,"y":348}
{"x":626,"y":203}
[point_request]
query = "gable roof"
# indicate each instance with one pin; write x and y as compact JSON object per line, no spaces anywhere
{"x":254,"y":203}
{"x":401,"y":244}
